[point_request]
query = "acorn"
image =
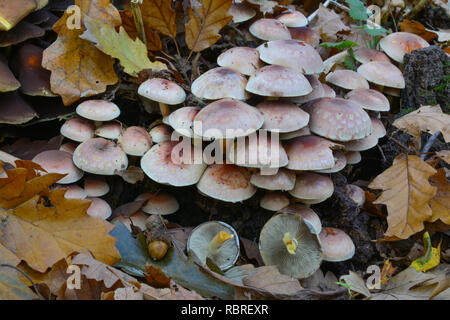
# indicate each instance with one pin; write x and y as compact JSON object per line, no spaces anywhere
{"x":157,"y":249}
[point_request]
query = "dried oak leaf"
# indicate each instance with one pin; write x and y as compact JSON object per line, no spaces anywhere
{"x":417,"y":28}
{"x":153,"y":40}
{"x":440,"y":204}
{"x":159,"y":15}
{"x":406,"y":193}
{"x":205,"y":22}
{"x":329,"y":24}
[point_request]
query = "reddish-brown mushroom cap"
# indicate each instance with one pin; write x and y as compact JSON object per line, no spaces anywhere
{"x":309,"y":216}
{"x":305,"y":34}
{"x":95,"y":187}
{"x":162,"y":90}
{"x":278,"y":81}
{"x":98,"y":110}
{"x":77,"y":129}
{"x":340,"y":161}
{"x":99,"y":208}
{"x":397,"y":44}
{"x":158,"y":203}
{"x":241,"y":59}
{"x":59,"y":162}
{"x":109,"y":130}
{"x":383,"y":74}
{"x":160,"y":133}
{"x":283,"y":180}
{"x":336,"y":245}
{"x":364,"y":55}
{"x":269,"y":29}
{"x":318,"y":91}
{"x":241,"y":12}
{"x":274,"y":201}
{"x":293,"y":19}
{"x":312,"y":187}
{"x":347,"y":79}
{"x":282,"y":116}
{"x":135,"y":141}
{"x":369,"y":99}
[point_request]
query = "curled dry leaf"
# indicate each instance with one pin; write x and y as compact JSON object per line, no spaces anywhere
{"x":440,"y":204}
{"x":158,"y":15}
{"x":329,"y":24}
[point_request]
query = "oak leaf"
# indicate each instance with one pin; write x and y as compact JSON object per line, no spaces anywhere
{"x":159,"y":15}
{"x":440,"y":204}
{"x":417,"y":28}
{"x":329,"y":24}
{"x":406,"y":193}
{"x":152,"y":38}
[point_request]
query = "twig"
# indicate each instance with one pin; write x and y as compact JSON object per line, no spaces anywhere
{"x":26,"y":276}
{"x":399,"y":144}
{"x":429,"y":144}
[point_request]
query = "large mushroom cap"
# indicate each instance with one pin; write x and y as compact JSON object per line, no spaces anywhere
{"x":100,"y":156}
{"x":318,"y":91}
{"x":283,"y":180}
{"x":293,"y":54}
{"x":241,"y":59}
{"x":274,"y":201}
{"x":347,"y":79}
{"x":361,"y":144}
{"x":78,"y":129}
{"x":312,"y":187}
{"x":338,"y":119}
{"x":226,"y":182}
{"x":181,"y":120}
{"x":241,"y":12}
{"x":309,"y":216}
{"x":227,"y":118}
{"x":383,"y":74}
{"x":364,"y":55}
{"x":169,"y":163}
{"x":293,"y":19}
{"x":219,"y":83}
{"x":59,"y":162}
{"x":162,"y":90}
{"x":158,"y":203}
{"x":336,"y":244}
{"x":369,"y":99}
{"x":282,"y":116}
{"x":217,"y":241}
{"x":135,"y":141}
{"x":305,"y":34}
{"x":278,"y":81}
{"x":98,"y":110}
{"x":397,"y":44}
{"x":269,"y":29}
{"x":287,"y":242}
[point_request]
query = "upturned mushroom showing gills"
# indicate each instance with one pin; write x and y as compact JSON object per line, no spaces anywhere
{"x":287,"y":242}
{"x":215,"y":240}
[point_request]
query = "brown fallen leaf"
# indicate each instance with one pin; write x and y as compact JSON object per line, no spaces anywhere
{"x":329,"y":24}
{"x":440,"y":204}
{"x":132,"y":174}
{"x":444,"y":155}
{"x":156,"y":278}
{"x":14,"y":11}
{"x":417,"y":28}
{"x":158,"y":15}
{"x":127,"y":293}
{"x":153,"y":40}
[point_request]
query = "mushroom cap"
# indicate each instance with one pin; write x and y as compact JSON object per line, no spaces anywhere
{"x":308,"y":255}
{"x":274,"y":201}
{"x":347,"y":79}
{"x":310,"y":153}
{"x":241,"y":12}
{"x":340,"y":161}
{"x":95,"y":187}
{"x":336,"y":245}
{"x":382,"y":73}
{"x":397,"y":44}
{"x":309,"y":216}
{"x":361,"y":144}
{"x":297,"y":133}
{"x":161,"y":133}
{"x":269,"y":29}
{"x":283,"y":180}
{"x":305,"y":34}
{"x":226,"y":182}
{"x":282,"y":116}
{"x":78,"y":129}
{"x":159,"y":203}
{"x":356,"y":194}
{"x":353,"y":157}
{"x":109,"y":130}
{"x":364,"y":55}
{"x":98,"y":110}
{"x":293,"y":19}
{"x":378,"y":127}
{"x":227,"y":118}
{"x":164,"y":164}
{"x":393,"y":92}
{"x":278,"y":81}
{"x":99,"y":208}
{"x":100,"y":156}
{"x":74,"y":191}
{"x":7,"y":80}
{"x":181,"y":120}
{"x":200,"y":238}
{"x":139,"y":218}
{"x":135,"y":141}
{"x":241,"y":59}
{"x":328,"y":92}
{"x":219,"y":83}
{"x":312,"y":186}
{"x":59,"y":162}
{"x":338,"y":119}
{"x":369,"y":99}
{"x":68,"y":147}
{"x":318,"y":91}
{"x":162,"y":90}
{"x":294,"y":54}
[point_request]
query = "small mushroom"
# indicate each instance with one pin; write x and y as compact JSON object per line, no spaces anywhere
{"x":99,"y":208}
{"x":7,"y":80}
{"x":282,"y":116}
{"x":336,"y":245}
{"x":158,"y":203}
{"x":353,"y":157}
{"x":312,"y":188}
{"x":98,"y":110}
{"x":160,"y":133}
{"x":77,"y":129}
{"x":95,"y":187}
{"x":383,"y":74}
{"x":347,"y":79}
{"x":68,"y":147}
{"x":181,"y":120}
{"x":369,"y":99}
{"x":269,"y":29}
{"x":59,"y":162}
{"x":340,"y":161}
{"x":364,"y":55}
{"x":274,"y":201}
{"x":241,"y":12}
{"x":397,"y":44}
{"x":309,"y":216}
{"x":283,"y":180}
{"x":305,"y":34}
{"x":241,"y":59}
{"x":109,"y":130}
{"x":355,"y":193}
{"x":293,"y":19}
{"x":135,"y":141}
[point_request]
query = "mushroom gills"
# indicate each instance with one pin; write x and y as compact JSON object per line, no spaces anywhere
{"x":290,"y":243}
{"x":218,"y":240}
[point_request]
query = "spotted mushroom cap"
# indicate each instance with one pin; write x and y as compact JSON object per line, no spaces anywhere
{"x":347,"y":79}
{"x":158,"y":203}
{"x":383,"y":74}
{"x":241,"y":12}
{"x":312,"y":187}
{"x":269,"y":29}
{"x":309,"y":216}
{"x":274,"y":201}
{"x":59,"y":162}
{"x":282,"y":116}
{"x":241,"y":59}
{"x":369,"y":99}
{"x":336,"y":244}
{"x":397,"y":44}
{"x":364,"y":55}
{"x":162,"y":90}
{"x":109,"y":130}
{"x":95,"y":187}
{"x":293,"y":19}
{"x":283,"y":180}
{"x":135,"y":141}
{"x":77,"y":129}
{"x":98,"y":110}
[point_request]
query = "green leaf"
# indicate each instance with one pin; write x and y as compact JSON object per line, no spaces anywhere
{"x":350,"y":61}
{"x":375,"y":32}
{"x":339,"y":45}
{"x":357,"y":10}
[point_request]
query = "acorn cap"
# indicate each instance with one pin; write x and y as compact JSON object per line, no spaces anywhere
{"x":294,"y":54}
{"x":269,"y":29}
{"x":274,"y":201}
{"x":158,"y":203}
{"x":95,"y":187}
{"x":163,"y":164}
{"x":135,"y":141}
{"x":294,"y":134}
{"x":182,"y":119}
{"x":109,"y":130}
{"x":309,"y":216}
{"x":161,"y":133}
{"x":369,"y":99}
{"x":99,"y":208}
{"x":356,"y":194}
{"x":98,"y":110}
{"x":100,"y":156}
{"x":241,"y":59}
{"x":59,"y":162}
{"x":241,"y":12}
{"x":293,"y":19}
{"x":397,"y":44}
{"x":278,"y":81}
{"x":162,"y":90}
{"x":7,"y":80}
{"x":383,"y":74}
{"x":282,"y":116}
{"x":219,"y":83}
{"x":77,"y":129}
{"x":364,"y":55}
{"x":347,"y":79}
{"x":283,"y":180}
{"x":338,"y":119}
{"x":285,"y":232}
{"x":336,"y":245}
{"x":305,"y":34}
{"x":318,"y":91}
{"x":312,"y":187}
{"x":340,"y":161}
{"x":353,"y":157}
{"x":226,"y":182}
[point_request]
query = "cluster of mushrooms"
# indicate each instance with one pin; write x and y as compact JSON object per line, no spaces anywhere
{"x":273,"y":91}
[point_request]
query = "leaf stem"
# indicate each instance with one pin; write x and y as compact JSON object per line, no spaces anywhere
{"x":138,"y":21}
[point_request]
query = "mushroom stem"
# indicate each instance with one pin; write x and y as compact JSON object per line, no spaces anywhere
{"x":165,"y":109}
{"x":290,"y":243}
{"x":218,"y":240}
{"x":6,"y":157}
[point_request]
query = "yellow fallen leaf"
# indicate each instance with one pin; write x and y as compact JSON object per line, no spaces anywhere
{"x":431,"y":257}
{"x":440,"y":204}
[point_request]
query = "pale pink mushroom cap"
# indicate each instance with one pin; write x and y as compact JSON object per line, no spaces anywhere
{"x":238,"y":117}
{"x":347,"y":79}
{"x":283,"y":180}
{"x":309,"y":216}
{"x":353,"y":157}
{"x":68,"y":147}
{"x":397,"y":44}
{"x":109,"y":130}
{"x":336,"y":245}
{"x":241,"y":59}
{"x":74,"y":191}
{"x":167,"y":163}
{"x":219,"y":83}
{"x":361,"y":144}
{"x":159,"y":203}
{"x":100,"y":156}
{"x":356,"y":194}
{"x":328,"y":92}
{"x":383,"y":74}
{"x":369,"y":99}
{"x":378,"y":127}
{"x":364,"y":55}
{"x":181,"y":120}
{"x":269,"y":29}
{"x":312,"y":187}
{"x":226,"y":182}
{"x":318,"y":91}
{"x":305,"y":34}
{"x":282,"y":116}
{"x":99,"y":208}
{"x":98,"y":110}
{"x":293,"y":19}
{"x":95,"y":187}
{"x":294,"y":54}
{"x":78,"y":129}
{"x":340,"y":161}
{"x":56,"y":161}
{"x":338,"y":119}
{"x":139,"y":218}
{"x":278,"y":81}
{"x":274,"y":201}
{"x":241,"y":12}
{"x":160,"y":133}
{"x":294,"y":134}
{"x":162,"y":90}
{"x":135,"y":141}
